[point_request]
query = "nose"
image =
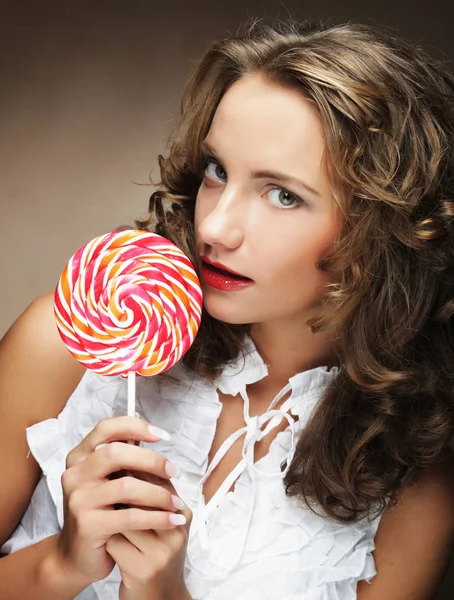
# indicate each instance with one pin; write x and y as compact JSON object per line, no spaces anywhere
{"x":223,"y":223}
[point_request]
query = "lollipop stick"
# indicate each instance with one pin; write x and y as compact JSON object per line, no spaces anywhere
{"x":131,"y":394}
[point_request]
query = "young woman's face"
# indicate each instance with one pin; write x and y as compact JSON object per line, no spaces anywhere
{"x":271,"y":231}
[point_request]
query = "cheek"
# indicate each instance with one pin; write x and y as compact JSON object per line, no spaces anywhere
{"x":203,"y":204}
{"x":294,"y":257}
{"x":199,"y":214}
{"x":197,"y":210}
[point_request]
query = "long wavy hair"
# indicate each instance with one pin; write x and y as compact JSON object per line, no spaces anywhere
{"x":388,"y":113}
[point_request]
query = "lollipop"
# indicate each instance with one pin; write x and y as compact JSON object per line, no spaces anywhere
{"x":127,"y":303}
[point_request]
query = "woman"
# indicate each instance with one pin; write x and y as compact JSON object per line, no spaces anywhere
{"x":302,"y":445}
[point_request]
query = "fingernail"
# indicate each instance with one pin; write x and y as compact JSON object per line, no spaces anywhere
{"x":178,"y":503}
{"x":158,"y":432}
{"x":177,"y":519}
{"x":172,"y":470}
{"x":99,"y":446}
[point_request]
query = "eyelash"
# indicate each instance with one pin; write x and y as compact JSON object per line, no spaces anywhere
{"x":206,"y":159}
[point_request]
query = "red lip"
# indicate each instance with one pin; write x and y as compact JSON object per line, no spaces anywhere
{"x":220,"y":277}
{"x":223,"y":267}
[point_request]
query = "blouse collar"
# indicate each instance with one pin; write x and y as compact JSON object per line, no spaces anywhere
{"x":249,"y":368}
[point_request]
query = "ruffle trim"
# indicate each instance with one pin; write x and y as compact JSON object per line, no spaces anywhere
{"x":282,"y":578}
{"x":290,"y":550}
{"x":51,"y":440}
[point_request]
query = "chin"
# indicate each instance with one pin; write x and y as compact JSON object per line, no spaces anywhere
{"x":225,"y":313}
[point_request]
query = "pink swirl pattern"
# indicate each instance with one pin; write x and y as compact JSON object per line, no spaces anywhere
{"x":128,"y":301}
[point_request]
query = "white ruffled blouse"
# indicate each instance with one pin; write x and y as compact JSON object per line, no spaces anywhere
{"x":251,"y":543}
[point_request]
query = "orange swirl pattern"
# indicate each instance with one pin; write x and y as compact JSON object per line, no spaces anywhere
{"x":128,"y":301}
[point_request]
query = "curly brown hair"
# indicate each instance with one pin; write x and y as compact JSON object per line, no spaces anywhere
{"x":388,"y":114}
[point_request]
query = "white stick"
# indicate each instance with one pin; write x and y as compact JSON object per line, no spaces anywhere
{"x":131,"y":394}
{"x":131,"y":400}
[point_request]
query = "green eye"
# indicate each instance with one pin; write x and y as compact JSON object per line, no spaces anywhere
{"x":286,"y":199}
{"x":283,"y":199}
{"x":215,"y":173}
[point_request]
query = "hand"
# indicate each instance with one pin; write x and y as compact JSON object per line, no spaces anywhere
{"x":90,"y":496}
{"x":152,"y":562}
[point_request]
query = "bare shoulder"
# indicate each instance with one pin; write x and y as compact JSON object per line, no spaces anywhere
{"x":37,"y":375}
{"x":34,"y":359}
{"x":415,"y":538}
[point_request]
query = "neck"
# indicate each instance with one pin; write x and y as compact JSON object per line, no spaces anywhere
{"x":288,"y":349}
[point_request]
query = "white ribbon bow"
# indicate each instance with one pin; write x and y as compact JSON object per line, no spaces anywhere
{"x":254,"y":433}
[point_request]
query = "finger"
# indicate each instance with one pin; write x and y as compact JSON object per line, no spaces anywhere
{"x":142,"y":540}
{"x":175,"y":539}
{"x":129,"y":490}
{"x":106,"y":522}
{"x":121,"y":550}
{"x":118,"y":456}
{"x":165,"y":483}
{"x":116,"y":428}
{"x":173,"y":536}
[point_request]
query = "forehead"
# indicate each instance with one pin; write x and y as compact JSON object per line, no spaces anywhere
{"x":256,"y":100}
{"x":263,"y":125}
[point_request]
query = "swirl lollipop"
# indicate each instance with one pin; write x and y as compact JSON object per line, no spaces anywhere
{"x":128,"y":302}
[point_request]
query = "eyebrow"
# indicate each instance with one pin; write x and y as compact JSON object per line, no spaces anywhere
{"x":283,"y":178}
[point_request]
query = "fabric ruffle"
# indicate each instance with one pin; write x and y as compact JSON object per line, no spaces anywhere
{"x":51,"y":440}
{"x":287,"y":552}
{"x":290,"y":551}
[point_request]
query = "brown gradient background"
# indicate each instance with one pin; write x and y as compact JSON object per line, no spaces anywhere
{"x":89,"y":94}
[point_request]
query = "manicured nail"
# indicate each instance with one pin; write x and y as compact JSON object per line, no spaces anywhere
{"x":99,"y":446}
{"x":172,"y":470}
{"x":159,"y":433}
{"x":178,"y":503}
{"x":177,"y":519}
